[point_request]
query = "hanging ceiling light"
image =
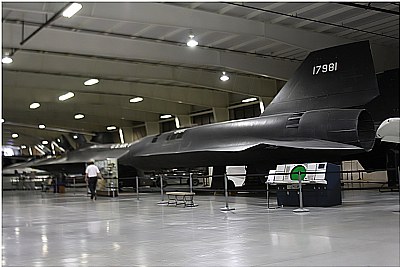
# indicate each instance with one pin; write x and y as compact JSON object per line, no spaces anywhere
{"x":23,"y":146}
{"x":42,"y":126}
{"x":14,"y":135}
{"x":79,"y":116}
{"x":192,"y":42}
{"x":6,"y":59}
{"x":34,"y":105}
{"x":224,"y":77}
{"x":45,"y":142}
{"x":247,"y":100}
{"x":66,"y":96}
{"x":136,"y":99}
{"x":91,"y":82}
{"x":71,"y":10}
{"x":112,"y":127}
{"x":166,"y":116}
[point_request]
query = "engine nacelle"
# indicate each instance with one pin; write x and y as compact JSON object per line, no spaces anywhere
{"x":350,"y":126}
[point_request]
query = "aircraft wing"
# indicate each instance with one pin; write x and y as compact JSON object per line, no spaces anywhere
{"x":311,"y":144}
{"x":86,"y":157}
{"x":76,"y":160}
{"x":266,"y":144}
{"x":20,"y":167}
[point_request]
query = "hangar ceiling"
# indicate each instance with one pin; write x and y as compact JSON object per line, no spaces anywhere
{"x":139,"y":50}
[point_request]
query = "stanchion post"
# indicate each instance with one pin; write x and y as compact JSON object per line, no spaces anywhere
{"x":112,"y":188}
{"x":191,"y":182}
{"x":56,"y":189}
{"x":267,"y":195}
{"x":162,"y":202}
{"x":226,"y":208}
{"x":301,"y":209}
{"x":137,"y":187}
{"x":162,"y":188}
{"x":268,"y":207}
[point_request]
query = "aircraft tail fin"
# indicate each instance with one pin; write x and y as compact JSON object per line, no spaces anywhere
{"x":339,"y":77}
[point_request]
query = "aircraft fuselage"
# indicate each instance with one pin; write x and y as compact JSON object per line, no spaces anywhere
{"x":255,"y":140}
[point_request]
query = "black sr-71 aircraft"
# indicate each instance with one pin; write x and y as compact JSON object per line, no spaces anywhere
{"x":317,"y":116}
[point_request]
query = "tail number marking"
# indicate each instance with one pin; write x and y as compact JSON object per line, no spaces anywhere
{"x":317,"y":69}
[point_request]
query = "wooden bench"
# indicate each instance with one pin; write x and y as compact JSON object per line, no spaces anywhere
{"x":181,"y":198}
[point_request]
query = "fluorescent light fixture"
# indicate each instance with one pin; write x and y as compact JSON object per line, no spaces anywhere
{"x":224,"y":77}
{"x":60,"y":148}
{"x":6,"y":60}
{"x":38,"y":149}
{"x":247,"y":100}
{"x":34,"y":105}
{"x":177,"y":123}
{"x":14,"y":135}
{"x":192,"y":42}
{"x":121,"y":136}
{"x":166,"y":116}
{"x":71,"y":10}
{"x":75,"y":136}
{"x":91,"y":82}
{"x":66,"y":96}
{"x":111,"y":127}
{"x":262,"y":108}
{"x":42,"y":126}
{"x":136,"y":99}
{"x":45,"y":142}
{"x":53,"y":150}
{"x":23,"y":147}
{"x":79,"y":116}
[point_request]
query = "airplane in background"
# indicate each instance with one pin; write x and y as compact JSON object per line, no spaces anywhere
{"x":389,"y":130}
{"x":318,"y":115}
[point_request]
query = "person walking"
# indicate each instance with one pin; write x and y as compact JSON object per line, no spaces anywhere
{"x":92,"y":173}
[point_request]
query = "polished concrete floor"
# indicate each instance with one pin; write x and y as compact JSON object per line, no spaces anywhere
{"x":46,"y":229}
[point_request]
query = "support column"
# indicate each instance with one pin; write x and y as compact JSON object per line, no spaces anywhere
{"x":152,"y":128}
{"x":128,"y":134}
{"x":220,"y":114}
{"x":264,"y":102}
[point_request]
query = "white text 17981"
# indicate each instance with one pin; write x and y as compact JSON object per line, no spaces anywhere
{"x":317,"y":69}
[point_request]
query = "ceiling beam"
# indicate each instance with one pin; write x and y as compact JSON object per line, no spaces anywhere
{"x":53,"y":39}
{"x":62,"y":84}
{"x":323,"y":16}
{"x":148,"y":73}
{"x":297,"y":12}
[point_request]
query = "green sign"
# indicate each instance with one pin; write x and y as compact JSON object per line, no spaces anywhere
{"x":294,"y":174}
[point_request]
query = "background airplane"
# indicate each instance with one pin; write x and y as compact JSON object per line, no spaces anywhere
{"x":389,"y":130}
